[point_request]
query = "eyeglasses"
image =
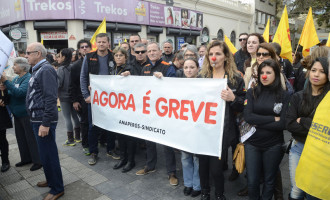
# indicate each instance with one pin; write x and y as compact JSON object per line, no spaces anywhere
{"x":29,"y":52}
{"x":189,"y":55}
{"x":84,"y":47}
{"x":263,"y":54}
{"x":119,"y":55}
{"x":241,"y":39}
{"x":138,"y":52}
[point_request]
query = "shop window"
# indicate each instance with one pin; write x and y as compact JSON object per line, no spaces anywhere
{"x":220,"y":35}
{"x":233,"y":37}
{"x":205,"y":35}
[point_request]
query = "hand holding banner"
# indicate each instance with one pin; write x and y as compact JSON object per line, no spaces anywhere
{"x":189,"y":117}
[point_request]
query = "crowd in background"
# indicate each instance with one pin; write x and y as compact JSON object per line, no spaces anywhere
{"x":267,"y":91}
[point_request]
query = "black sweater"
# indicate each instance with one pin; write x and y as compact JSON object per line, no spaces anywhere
{"x":260,"y":112}
{"x":75,"y":81}
{"x":299,"y":130}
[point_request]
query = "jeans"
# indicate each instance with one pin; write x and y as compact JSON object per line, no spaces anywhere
{"x":294,"y":157}
{"x":4,"y":146}
{"x":68,"y":112}
{"x":258,"y":160}
{"x":49,"y":158}
{"x":152,"y":157}
{"x":190,"y":168}
{"x":93,"y":134}
{"x":27,"y":144}
{"x":211,"y":166}
{"x":83,"y":114}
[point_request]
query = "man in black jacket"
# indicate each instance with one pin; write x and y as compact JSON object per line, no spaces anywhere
{"x":100,"y":62}
{"x":79,"y":104}
{"x":168,"y":51}
{"x":242,"y":54}
{"x":141,"y":59}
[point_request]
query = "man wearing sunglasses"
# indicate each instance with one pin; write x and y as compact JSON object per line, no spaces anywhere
{"x":133,"y":40}
{"x":79,"y":104}
{"x":241,"y":55}
{"x":141,"y":59}
{"x":41,"y":103}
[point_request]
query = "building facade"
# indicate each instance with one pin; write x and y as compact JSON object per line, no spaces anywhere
{"x":61,"y":23}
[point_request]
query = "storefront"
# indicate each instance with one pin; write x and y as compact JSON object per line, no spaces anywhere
{"x":61,"y":23}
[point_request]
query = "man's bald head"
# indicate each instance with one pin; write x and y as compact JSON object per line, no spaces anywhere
{"x":35,"y":52}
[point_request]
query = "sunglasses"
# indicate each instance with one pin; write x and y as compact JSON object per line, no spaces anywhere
{"x":84,"y":47}
{"x":263,"y":54}
{"x":241,"y":39}
{"x":29,"y":52}
{"x":138,"y":52}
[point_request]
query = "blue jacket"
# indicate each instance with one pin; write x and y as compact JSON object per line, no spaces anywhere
{"x":17,"y":89}
{"x":41,"y":98}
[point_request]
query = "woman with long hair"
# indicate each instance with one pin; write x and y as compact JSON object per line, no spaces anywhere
{"x":64,"y":80}
{"x":219,"y":63}
{"x":300,"y":115}
{"x":265,"y":108}
{"x":252,"y":42}
{"x":264,"y":51}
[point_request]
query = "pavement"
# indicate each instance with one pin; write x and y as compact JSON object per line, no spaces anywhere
{"x":101,"y":182}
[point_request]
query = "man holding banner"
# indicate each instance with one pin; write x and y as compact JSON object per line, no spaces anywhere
{"x":100,"y":62}
{"x":158,"y":68}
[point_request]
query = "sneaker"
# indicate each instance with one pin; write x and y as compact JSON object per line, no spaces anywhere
{"x":86,"y":151}
{"x":144,"y":171}
{"x":93,"y":159}
{"x":77,"y":140}
{"x":67,"y":143}
{"x":113,"y":154}
{"x":173,"y":180}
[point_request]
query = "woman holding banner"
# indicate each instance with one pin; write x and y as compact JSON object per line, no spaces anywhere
{"x":300,"y":114}
{"x":219,"y":63}
{"x":190,"y":162}
{"x":265,"y":108}
{"x":127,"y":144}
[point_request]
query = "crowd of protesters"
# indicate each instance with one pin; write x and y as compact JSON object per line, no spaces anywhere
{"x":269,"y":92}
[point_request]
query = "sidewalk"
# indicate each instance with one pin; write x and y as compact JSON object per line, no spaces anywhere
{"x":101,"y":182}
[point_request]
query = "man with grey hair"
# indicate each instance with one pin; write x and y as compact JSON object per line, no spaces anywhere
{"x":41,"y":103}
{"x":159,"y":68}
{"x":168,"y":51}
{"x":17,"y":89}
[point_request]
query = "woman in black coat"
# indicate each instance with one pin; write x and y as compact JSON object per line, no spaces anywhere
{"x":5,"y":123}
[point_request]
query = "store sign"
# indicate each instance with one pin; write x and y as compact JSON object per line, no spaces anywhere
{"x":11,"y":11}
{"x":50,"y":9}
{"x":15,"y":34}
{"x":130,"y":11}
{"x":125,"y":11}
{"x":162,"y":15}
{"x":54,"y":35}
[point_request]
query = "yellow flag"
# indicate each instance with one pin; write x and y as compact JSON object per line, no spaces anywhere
{"x":232,"y":48}
{"x":42,"y":41}
{"x":266,"y":32}
{"x":328,"y":42}
{"x":308,"y":36}
{"x":125,"y":40}
{"x":101,"y":29}
{"x":282,"y":36}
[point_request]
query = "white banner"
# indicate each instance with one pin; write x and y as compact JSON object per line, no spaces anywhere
{"x":5,"y":51}
{"x":186,"y":114}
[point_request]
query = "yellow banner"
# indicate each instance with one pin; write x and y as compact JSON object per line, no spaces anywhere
{"x":313,"y":171}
